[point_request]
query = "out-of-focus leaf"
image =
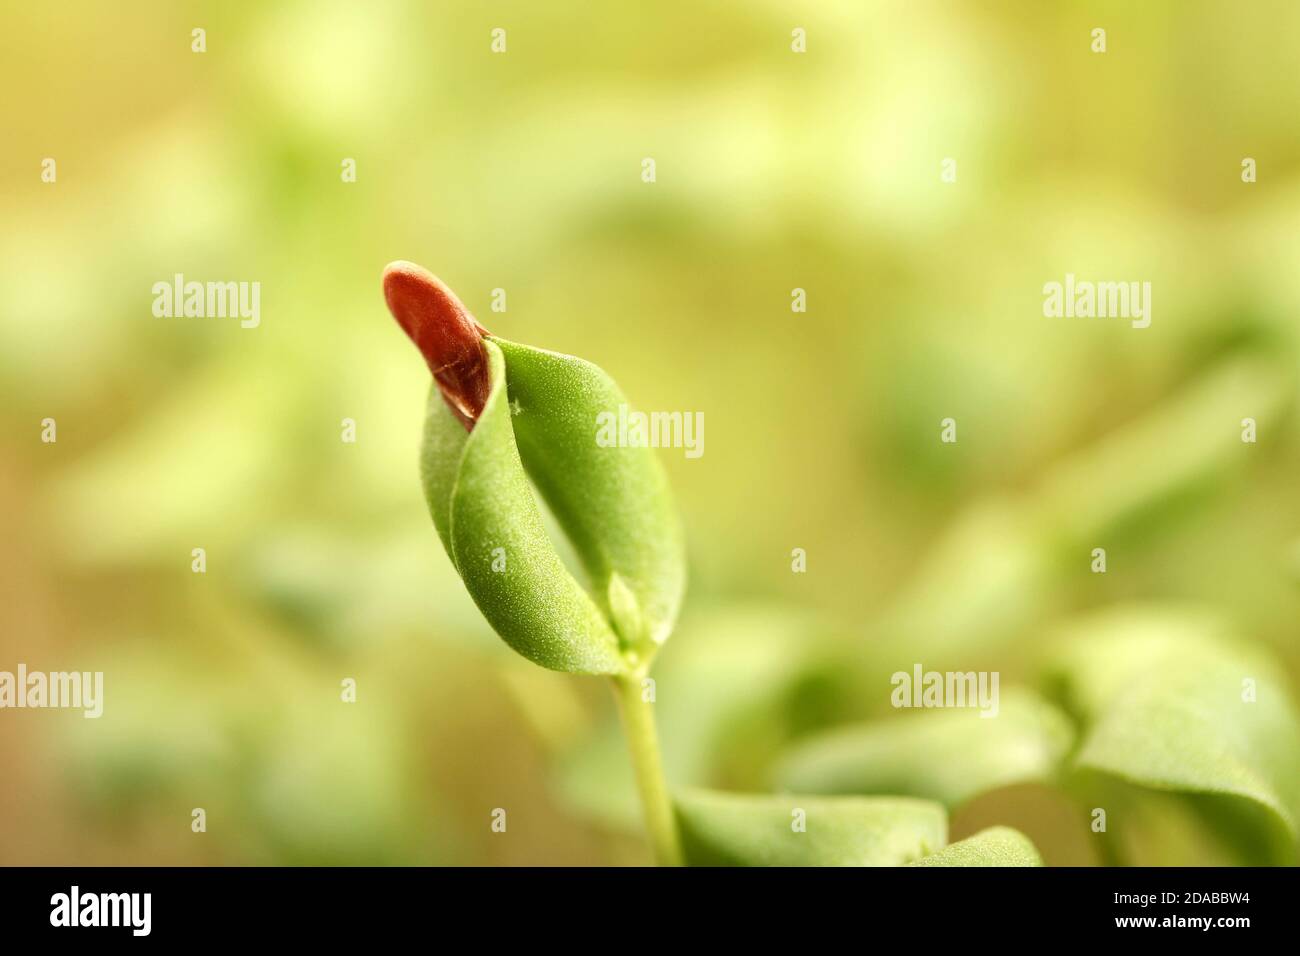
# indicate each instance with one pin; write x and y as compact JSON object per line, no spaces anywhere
{"x":483,"y":507}
{"x":727,"y":829}
{"x":945,"y":755}
{"x":1167,"y":828}
{"x":1170,"y":702}
{"x":989,"y":574}
{"x":1178,"y":444}
{"x":1000,"y":564}
{"x":996,"y":846}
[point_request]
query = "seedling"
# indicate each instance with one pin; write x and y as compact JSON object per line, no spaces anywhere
{"x":500,"y":414}
{"x":1150,"y":700}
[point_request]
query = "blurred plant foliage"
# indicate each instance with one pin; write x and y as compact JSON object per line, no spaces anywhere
{"x":1122,"y":691}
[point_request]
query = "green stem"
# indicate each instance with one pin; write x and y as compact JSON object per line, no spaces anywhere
{"x":643,"y":743}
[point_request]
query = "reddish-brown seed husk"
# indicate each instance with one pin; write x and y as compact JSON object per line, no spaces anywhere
{"x":445,"y":333}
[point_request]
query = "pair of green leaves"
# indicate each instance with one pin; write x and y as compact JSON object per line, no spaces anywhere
{"x":1161,"y":699}
{"x":720,"y":829}
{"x":613,"y":504}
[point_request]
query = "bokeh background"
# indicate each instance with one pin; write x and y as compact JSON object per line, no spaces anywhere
{"x":522,"y":171}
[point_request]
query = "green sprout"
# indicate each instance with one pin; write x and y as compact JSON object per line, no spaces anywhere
{"x":504,"y":418}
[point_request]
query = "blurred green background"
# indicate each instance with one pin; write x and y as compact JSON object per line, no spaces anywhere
{"x":522,"y":171}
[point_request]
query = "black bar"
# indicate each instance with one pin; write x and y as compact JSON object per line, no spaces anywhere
{"x":334,"y":905}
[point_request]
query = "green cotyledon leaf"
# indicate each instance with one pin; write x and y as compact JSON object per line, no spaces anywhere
{"x":611,"y":499}
{"x":501,"y":414}
{"x":489,"y":521}
{"x":730,"y":829}
{"x":996,"y":846}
